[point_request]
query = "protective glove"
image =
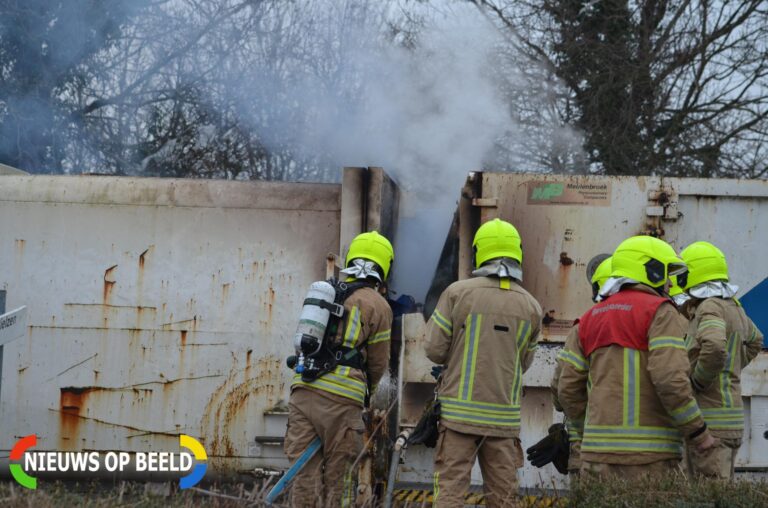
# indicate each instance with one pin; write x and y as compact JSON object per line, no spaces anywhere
{"x":553,"y":448}
{"x":426,"y":430}
{"x":436,"y":371}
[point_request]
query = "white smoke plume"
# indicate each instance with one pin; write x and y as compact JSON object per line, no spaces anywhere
{"x":428,"y":113}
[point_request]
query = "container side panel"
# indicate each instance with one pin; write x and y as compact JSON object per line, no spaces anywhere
{"x":156,"y":307}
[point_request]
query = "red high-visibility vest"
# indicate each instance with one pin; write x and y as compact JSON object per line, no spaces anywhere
{"x":622,"y":319}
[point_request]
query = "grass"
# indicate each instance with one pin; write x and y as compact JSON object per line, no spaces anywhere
{"x":673,"y":491}
{"x":128,"y":494}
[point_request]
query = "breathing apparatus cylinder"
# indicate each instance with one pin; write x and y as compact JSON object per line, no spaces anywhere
{"x":313,"y":321}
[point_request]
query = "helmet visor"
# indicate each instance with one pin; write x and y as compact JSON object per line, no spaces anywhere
{"x":675,"y":269}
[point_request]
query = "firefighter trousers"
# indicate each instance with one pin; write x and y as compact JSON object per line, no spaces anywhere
{"x":327,"y":479}
{"x":631,"y":471}
{"x":499,"y":457}
{"x":717,"y":462}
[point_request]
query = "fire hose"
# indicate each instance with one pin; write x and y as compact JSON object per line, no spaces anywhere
{"x":398,"y":453}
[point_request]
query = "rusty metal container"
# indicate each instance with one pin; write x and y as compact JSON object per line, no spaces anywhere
{"x":161,"y":306}
{"x":564,"y":221}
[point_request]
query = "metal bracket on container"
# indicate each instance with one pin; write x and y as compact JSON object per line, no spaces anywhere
{"x":662,"y":207}
{"x":332,"y":265}
{"x":663,"y":204}
{"x":485,"y":202}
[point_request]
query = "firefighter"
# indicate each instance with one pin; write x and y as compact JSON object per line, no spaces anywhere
{"x":601,"y":275}
{"x":331,"y":406}
{"x":721,"y":341}
{"x":484,"y":331}
{"x":679,"y":296}
{"x":625,"y":369}
{"x":576,"y":428}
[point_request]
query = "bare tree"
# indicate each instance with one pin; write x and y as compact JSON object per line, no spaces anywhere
{"x":218,"y":89}
{"x":670,"y":87}
{"x":45,"y":47}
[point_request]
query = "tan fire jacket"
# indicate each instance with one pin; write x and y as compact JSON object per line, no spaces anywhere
{"x":721,"y":341}
{"x":368,"y":325}
{"x":484,"y":330}
{"x":636,"y":405}
{"x":575,"y":428}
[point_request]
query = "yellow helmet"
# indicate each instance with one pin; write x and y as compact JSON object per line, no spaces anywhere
{"x":497,"y":239}
{"x":373,"y":247}
{"x":602,"y":273}
{"x":705,"y":262}
{"x":647,"y":260}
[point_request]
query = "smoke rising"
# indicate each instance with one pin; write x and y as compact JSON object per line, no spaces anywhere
{"x":428,"y":114}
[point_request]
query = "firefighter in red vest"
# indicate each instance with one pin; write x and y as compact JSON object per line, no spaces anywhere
{"x":625,"y":369}
{"x":563,"y":447}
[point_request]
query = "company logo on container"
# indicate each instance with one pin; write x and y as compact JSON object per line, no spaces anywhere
{"x":93,"y":462}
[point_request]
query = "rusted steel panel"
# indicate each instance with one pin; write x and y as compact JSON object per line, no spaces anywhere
{"x":156,"y":307}
{"x":561,"y":233}
{"x":566,"y":220}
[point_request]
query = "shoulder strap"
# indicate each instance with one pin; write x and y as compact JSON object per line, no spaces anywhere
{"x":345,"y":289}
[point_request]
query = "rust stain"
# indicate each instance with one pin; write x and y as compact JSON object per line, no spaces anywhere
{"x":142,"y":258}
{"x":270,"y":304}
{"x":183,"y":338}
{"x":225,"y":415}
{"x":134,"y":344}
{"x":140,"y":315}
{"x":564,"y":273}
{"x":20,"y":244}
{"x":72,"y":403}
{"x":248,"y":355}
{"x":653,"y":230}
{"x":109,"y":282}
{"x":225,"y":291}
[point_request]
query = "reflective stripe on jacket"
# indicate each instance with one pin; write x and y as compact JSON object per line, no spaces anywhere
{"x":637,"y":404}
{"x":368,"y":326}
{"x":721,"y":341}
{"x":484,"y":330}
